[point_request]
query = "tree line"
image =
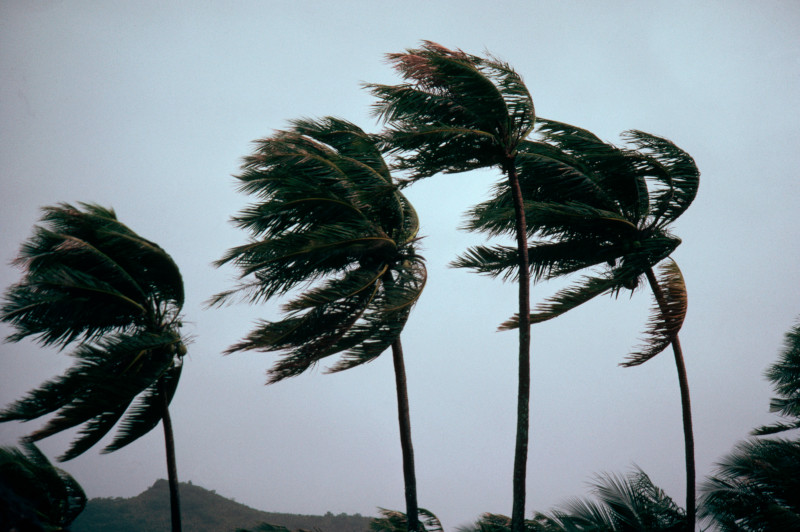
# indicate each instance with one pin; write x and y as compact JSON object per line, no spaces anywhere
{"x":331,"y":234}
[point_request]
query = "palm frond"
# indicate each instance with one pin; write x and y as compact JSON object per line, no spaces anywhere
{"x":665,"y":322}
{"x":396,"y":521}
{"x":567,"y":299}
{"x":148,"y":410}
{"x":673,"y":169}
{"x":755,"y":487}
{"x":454,"y":104}
{"x":42,"y":491}
{"x":785,"y":378}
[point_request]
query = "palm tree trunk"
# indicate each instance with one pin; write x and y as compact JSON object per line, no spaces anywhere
{"x":404,"y":419}
{"x":172,"y":468}
{"x":524,"y":390}
{"x":686,"y":406}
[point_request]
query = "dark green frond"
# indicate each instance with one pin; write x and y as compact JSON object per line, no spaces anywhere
{"x":396,"y":521}
{"x":86,"y":274}
{"x":328,"y":219}
{"x":457,"y":111}
{"x":148,"y":410}
{"x":756,"y":487}
{"x":568,"y":299}
{"x":495,"y":261}
{"x":98,"y":389}
{"x":34,"y":489}
{"x":785,"y":378}
{"x":674,"y":171}
{"x":665,"y":323}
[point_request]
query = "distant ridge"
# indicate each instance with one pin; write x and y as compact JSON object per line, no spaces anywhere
{"x":202,"y":511}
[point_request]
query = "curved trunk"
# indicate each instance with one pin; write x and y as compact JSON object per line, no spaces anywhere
{"x":524,"y":390}
{"x":172,"y":468}
{"x":686,"y":406}
{"x":404,"y":419}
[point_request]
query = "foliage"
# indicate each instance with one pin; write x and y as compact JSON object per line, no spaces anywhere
{"x":395,"y":521}
{"x":755,"y":488}
{"x":327,"y":212}
{"x":785,"y":377}
{"x":32,"y":491}
{"x":90,"y":279}
{"x":457,"y":112}
{"x":623,"y":504}
{"x":593,"y":205}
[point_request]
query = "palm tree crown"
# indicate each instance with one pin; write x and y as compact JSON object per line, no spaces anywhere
{"x":328,"y":212}
{"x":591,"y":204}
{"x":330,"y":220}
{"x":456,"y":113}
{"x":90,"y":279}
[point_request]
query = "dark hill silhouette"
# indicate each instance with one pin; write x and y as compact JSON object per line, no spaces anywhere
{"x":202,"y":510}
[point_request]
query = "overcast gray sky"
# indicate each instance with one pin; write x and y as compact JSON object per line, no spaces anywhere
{"x":148,"y":107}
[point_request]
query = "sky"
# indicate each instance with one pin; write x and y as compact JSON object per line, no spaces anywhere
{"x":149,"y":106}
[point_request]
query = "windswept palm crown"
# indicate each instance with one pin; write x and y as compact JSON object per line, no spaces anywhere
{"x":89,"y":279}
{"x":328,"y":213}
{"x":456,"y":112}
{"x":590,"y":204}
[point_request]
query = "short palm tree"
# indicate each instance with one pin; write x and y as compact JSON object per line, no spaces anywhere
{"x":624,"y":504}
{"x":90,"y":280}
{"x":755,"y":488}
{"x":33,"y":492}
{"x":329,"y":219}
{"x":459,"y":112}
{"x":591,"y":204}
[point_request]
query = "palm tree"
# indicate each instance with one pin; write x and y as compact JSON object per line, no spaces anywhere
{"x":34,"y":493}
{"x":459,"y":112}
{"x":90,"y":280}
{"x":591,"y":204}
{"x":785,"y":377}
{"x":755,"y":488}
{"x":624,"y":504}
{"x":328,"y":212}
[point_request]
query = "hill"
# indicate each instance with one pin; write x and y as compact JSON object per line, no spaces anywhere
{"x":202,"y":511}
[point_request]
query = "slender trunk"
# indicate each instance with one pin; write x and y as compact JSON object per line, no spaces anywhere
{"x":524,"y":391}
{"x":404,"y":419}
{"x":172,"y":468}
{"x":686,"y":406}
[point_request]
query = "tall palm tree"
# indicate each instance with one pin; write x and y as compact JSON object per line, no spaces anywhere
{"x":33,"y":492}
{"x":590,"y":204}
{"x":90,"y":280}
{"x":328,"y":212}
{"x":459,"y":112}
